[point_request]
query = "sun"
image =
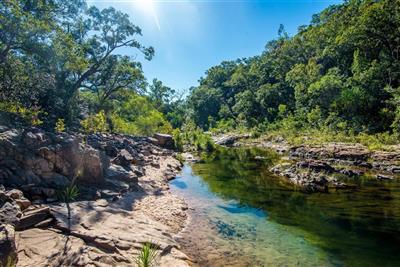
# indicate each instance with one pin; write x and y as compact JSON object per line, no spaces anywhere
{"x":148,"y":7}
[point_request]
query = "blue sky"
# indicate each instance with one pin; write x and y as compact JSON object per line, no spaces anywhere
{"x":191,"y":36}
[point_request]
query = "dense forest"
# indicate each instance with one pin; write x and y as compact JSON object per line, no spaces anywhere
{"x":60,"y":67}
{"x":341,"y":72}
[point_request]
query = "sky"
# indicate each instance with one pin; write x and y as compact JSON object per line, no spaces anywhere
{"x":190,"y":36}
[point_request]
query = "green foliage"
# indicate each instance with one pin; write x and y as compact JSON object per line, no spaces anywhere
{"x":95,"y":123}
{"x":147,"y":256}
{"x":30,"y":116}
{"x":69,"y":194}
{"x":178,"y":140}
{"x":339,"y":73}
{"x":60,"y":126}
{"x":194,"y":138}
{"x":51,"y":51}
{"x":134,"y":114}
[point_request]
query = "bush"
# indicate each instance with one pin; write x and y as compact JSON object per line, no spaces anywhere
{"x":30,"y":116}
{"x":95,"y":123}
{"x":60,"y":126}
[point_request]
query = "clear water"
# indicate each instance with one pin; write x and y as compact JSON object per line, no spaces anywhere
{"x":244,"y":216}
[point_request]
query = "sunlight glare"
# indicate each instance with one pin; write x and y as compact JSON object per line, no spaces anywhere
{"x":148,"y":7}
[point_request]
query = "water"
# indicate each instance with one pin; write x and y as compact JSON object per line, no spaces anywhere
{"x":244,"y":216}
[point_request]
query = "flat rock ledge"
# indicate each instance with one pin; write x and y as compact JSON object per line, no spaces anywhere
{"x":314,"y":168}
{"x":124,"y":200}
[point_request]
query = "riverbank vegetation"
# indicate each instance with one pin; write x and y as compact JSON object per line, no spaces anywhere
{"x":337,"y":79}
{"x":61,"y":61}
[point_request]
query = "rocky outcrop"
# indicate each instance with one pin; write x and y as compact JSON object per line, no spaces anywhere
{"x":350,"y":154}
{"x":123,"y":199}
{"x":311,"y":175}
{"x":163,"y":140}
{"x":111,"y":232}
{"x":230,"y":139}
{"x":41,"y":163}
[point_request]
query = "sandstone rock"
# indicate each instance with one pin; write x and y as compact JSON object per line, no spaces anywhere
{"x":116,"y":172}
{"x":33,"y":217}
{"x":8,"y":250}
{"x":15,"y":194}
{"x":316,"y":165}
{"x":384,"y":177}
{"x":23,"y":203}
{"x":351,"y":173}
{"x":124,"y":158}
{"x":164,"y":140}
{"x":10,"y":213}
{"x":92,"y":166}
{"x":229,"y":140}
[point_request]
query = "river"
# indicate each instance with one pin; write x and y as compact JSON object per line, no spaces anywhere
{"x":243,"y":215}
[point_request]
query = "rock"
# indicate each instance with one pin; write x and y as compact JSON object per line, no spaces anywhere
{"x":124,"y":158}
{"x":10,"y":213}
{"x":55,"y":180}
{"x":33,"y":217}
{"x":332,"y":150}
{"x":351,"y":173}
{"x":111,"y":150}
{"x":23,"y":203}
{"x":116,"y":172}
{"x":384,"y":177}
{"x":155,"y":164}
{"x":316,"y":165}
{"x":92,"y":167}
{"x":15,"y":194}
{"x":44,"y":224}
{"x":229,"y":140}
{"x":8,"y":249}
{"x":164,"y":140}
{"x":137,"y":170}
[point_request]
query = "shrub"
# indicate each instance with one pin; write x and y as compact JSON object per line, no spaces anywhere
{"x":60,"y":126}
{"x":31,"y":116}
{"x":95,"y":123}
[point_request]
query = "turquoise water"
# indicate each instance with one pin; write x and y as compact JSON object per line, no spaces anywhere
{"x":244,"y":216}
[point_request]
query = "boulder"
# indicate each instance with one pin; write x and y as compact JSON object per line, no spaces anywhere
{"x":229,"y":140}
{"x":10,"y":213}
{"x":15,"y":194}
{"x":124,"y":158}
{"x":8,"y":249}
{"x":92,"y":167}
{"x":116,"y":172}
{"x":23,"y":203}
{"x":316,"y":165}
{"x":384,"y":177}
{"x":164,"y":140}
{"x":33,"y":217}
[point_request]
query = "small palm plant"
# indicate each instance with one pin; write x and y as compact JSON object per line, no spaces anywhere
{"x":69,"y":194}
{"x":148,"y":255}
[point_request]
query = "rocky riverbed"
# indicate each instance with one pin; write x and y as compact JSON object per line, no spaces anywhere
{"x":124,"y":199}
{"x":317,"y":168}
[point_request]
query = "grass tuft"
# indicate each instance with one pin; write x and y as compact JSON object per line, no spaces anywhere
{"x":147,"y":256}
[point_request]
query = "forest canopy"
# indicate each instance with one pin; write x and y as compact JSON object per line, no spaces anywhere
{"x":60,"y":62}
{"x":342,"y":71}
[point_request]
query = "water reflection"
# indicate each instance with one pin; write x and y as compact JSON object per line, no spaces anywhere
{"x":259,"y":220}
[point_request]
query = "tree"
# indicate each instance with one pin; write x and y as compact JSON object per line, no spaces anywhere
{"x":160,"y":95}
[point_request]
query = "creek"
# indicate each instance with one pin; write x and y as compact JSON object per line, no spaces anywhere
{"x":243,"y":215}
